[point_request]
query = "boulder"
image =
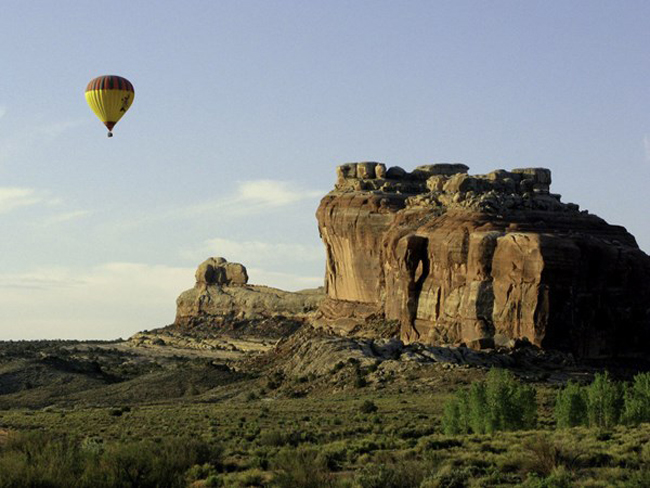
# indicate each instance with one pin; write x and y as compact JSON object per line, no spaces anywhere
{"x":218,"y":271}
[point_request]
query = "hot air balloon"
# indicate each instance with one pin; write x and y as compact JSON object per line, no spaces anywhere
{"x":110,"y":97}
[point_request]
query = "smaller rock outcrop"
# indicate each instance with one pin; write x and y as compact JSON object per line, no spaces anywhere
{"x":222,"y":294}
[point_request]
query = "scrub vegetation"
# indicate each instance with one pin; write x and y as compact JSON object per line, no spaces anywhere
{"x":424,"y":427}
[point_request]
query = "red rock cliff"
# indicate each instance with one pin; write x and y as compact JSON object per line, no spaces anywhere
{"x":480,"y":260}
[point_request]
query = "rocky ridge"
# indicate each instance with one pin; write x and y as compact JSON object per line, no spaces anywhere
{"x":481,"y":260}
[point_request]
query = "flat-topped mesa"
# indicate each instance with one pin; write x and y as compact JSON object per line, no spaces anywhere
{"x":479,"y":259}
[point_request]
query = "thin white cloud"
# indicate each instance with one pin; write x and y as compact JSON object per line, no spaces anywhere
{"x":273,"y":193}
{"x":3,"y":111}
{"x":43,"y":279}
{"x":12,"y":198}
{"x":66,"y":217}
{"x":105,"y":301}
{"x":255,"y":253}
{"x":253,"y":196}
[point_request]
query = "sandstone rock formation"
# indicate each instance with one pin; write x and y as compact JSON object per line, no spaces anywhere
{"x":221,"y":294}
{"x":481,"y":260}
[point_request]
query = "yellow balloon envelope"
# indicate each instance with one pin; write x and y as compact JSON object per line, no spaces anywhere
{"x":110,"y":97}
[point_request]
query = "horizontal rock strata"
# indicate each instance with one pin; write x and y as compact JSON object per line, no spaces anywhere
{"x":221,"y":294}
{"x":482,"y":260}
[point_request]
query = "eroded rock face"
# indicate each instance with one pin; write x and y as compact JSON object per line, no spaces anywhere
{"x":221,"y":294}
{"x":481,"y":260}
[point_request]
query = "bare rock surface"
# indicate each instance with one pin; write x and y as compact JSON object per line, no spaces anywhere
{"x":222,"y":295}
{"x":310,"y":353}
{"x":479,"y":260}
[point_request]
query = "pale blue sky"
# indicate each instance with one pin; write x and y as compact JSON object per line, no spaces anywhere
{"x":244,"y":108}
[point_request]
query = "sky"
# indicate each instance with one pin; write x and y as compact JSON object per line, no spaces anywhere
{"x":242,"y":111}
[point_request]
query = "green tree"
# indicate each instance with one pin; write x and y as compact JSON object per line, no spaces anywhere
{"x":571,"y":406}
{"x":498,"y":403}
{"x":605,"y":401}
{"x":637,"y":400}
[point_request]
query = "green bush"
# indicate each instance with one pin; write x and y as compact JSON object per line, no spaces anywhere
{"x":559,"y":478}
{"x":275,"y":438}
{"x":200,"y":472}
{"x":544,"y":456}
{"x":40,"y":460}
{"x":401,"y":474}
{"x":301,"y":468}
{"x":368,"y":406}
{"x":333,"y":455}
{"x":246,"y":479}
{"x":360,"y":381}
{"x":637,"y":400}
{"x":571,"y":406}
{"x":498,"y":403}
{"x":450,"y":476}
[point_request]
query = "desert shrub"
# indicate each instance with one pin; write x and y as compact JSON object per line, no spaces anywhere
{"x":571,"y":406}
{"x":637,"y":400}
{"x":374,"y":366}
{"x":498,"y":403}
{"x":638,"y":479}
{"x":147,"y":464}
{"x":543,"y":456}
{"x":273,"y":438}
{"x":246,"y":479}
{"x":333,"y":455}
{"x":368,"y":406}
{"x":604,"y":401}
{"x":277,"y":438}
{"x":338,"y":366}
{"x":436,"y":443}
{"x":275,"y":380}
{"x":200,"y":472}
{"x":213,"y":481}
{"x":450,"y":477}
{"x":396,"y":474}
{"x":301,"y":468}
{"x":39,"y":460}
{"x":559,"y":478}
{"x":36,"y":459}
{"x":93,"y":444}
